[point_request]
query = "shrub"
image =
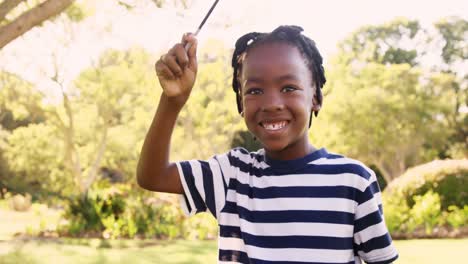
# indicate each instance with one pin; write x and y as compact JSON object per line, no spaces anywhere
{"x":117,"y":211}
{"x":396,"y":212}
{"x":425,"y":212}
{"x":448,"y":178}
{"x":20,"y":202}
{"x":457,"y":217}
{"x":428,"y":200}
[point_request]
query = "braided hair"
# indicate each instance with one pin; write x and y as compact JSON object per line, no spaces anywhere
{"x":287,"y":34}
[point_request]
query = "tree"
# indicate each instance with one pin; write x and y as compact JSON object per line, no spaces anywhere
{"x":29,"y":19}
{"x":97,"y":123}
{"x":389,"y":103}
{"x":28,"y":14}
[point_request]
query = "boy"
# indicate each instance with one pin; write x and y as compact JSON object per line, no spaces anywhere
{"x":289,"y":202}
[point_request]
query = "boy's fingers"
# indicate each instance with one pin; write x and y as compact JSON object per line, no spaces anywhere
{"x":171,"y":62}
{"x":181,"y":55}
{"x":190,"y":43}
{"x":162,"y":69}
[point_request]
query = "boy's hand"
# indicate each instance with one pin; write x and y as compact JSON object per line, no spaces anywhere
{"x":177,"y":69}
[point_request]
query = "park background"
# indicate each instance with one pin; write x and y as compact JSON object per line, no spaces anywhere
{"x":78,"y":92}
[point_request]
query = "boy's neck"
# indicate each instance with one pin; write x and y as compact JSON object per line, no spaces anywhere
{"x":290,"y":153}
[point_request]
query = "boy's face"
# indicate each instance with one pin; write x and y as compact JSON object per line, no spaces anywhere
{"x":277,"y":99}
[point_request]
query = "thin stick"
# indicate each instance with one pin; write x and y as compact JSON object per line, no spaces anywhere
{"x":187,"y":47}
{"x":206,"y":17}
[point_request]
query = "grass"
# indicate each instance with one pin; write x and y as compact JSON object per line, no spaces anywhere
{"x":180,"y":251}
{"x":432,"y":251}
{"x":99,"y":251}
{"x":63,"y":250}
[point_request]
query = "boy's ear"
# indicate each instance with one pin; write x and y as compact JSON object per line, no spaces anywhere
{"x":315,"y":104}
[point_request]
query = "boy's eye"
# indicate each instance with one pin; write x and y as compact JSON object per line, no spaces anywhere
{"x":253,"y":91}
{"x":287,"y":89}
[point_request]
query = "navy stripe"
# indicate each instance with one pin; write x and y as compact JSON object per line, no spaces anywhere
{"x":289,"y":216}
{"x":189,"y":179}
{"x":388,"y":261}
{"x":308,"y":169}
{"x":208,"y":187}
{"x":334,"y":156}
{"x":368,"y":220}
{"x":292,"y":241}
{"x":259,"y":261}
{"x":376,"y":243}
{"x":368,"y":193}
{"x":297,"y":191}
{"x":233,"y":255}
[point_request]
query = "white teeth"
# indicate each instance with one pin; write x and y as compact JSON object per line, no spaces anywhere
{"x":274,"y":126}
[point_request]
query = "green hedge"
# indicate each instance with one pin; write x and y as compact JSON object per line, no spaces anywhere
{"x":429,"y":200}
{"x":119,"y":211}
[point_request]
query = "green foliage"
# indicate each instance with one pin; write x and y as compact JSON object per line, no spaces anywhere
{"x":379,"y":114}
{"x":457,"y":217}
{"x":425,"y":212}
{"x":390,"y":102}
{"x":427,"y":197}
{"x":117,"y":211}
{"x":383,"y":43}
{"x":448,"y":178}
{"x":34,"y":160}
{"x":396,"y":212}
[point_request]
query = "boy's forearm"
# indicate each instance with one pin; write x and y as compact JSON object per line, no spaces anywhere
{"x":154,"y":169}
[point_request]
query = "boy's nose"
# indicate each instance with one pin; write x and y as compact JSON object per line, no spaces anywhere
{"x":273,"y":102}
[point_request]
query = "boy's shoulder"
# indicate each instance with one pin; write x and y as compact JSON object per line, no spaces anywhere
{"x":343,"y":164}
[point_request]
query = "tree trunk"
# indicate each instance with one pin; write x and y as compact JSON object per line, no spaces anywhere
{"x":6,"y":6}
{"x":93,"y":172}
{"x":31,"y":18}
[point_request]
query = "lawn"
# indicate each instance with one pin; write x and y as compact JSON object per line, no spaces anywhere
{"x":179,"y":251}
{"x":65,"y":250}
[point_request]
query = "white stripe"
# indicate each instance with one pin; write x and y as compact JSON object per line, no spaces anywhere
{"x":370,"y":232}
{"x":380,"y":254}
{"x":366,"y":208}
{"x":198,"y":177}
{"x":226,"y":167}
{"x":300,"y":254}
{"x":286,"y":254}
{"x":187,"y":194}
{"x":218,"y":186}
{"x":318,"y":180}
{"x":288,"y":229}
{"x":246,"y":158}
{"x":231,"y":243}
{"x":282,"y":204}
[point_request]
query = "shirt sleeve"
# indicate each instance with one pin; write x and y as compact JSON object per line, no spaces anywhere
{"x":372,"y":241}
{"x":204,"y":184}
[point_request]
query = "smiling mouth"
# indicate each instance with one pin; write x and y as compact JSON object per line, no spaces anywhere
{"x":273,"y":126}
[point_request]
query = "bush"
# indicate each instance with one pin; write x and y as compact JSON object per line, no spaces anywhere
{"x":425,"y":212}
{"x":448,"y":178}
{"x":114,"y":212}
{"x":20,"y":202}
{"x":457,"y":217}
{"x":428,"y":201}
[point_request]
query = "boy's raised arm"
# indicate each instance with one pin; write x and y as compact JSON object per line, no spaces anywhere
{"x":176,"y":72}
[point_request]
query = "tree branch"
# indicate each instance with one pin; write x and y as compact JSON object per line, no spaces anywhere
{"x":31,"y":18}
{"x":6,"y":6}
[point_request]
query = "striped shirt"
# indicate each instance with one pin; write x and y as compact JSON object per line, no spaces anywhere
{"x":322,"y":208}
